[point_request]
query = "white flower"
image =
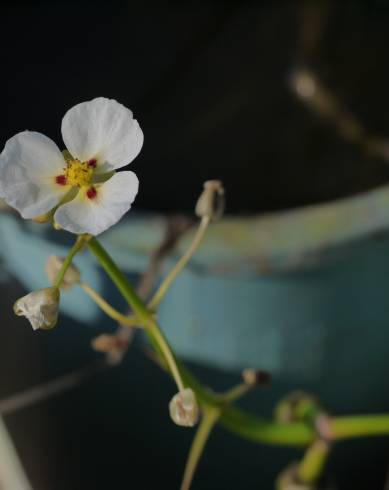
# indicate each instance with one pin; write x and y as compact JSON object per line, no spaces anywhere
{"x":184,"y":409}
{"x":40,"y":307}
{"x":53,"y":266}
{"x":89,"y":196}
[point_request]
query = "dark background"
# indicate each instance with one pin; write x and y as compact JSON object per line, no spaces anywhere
{"x":209,"y":84}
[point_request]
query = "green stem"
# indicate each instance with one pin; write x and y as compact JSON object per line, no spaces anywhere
{"x":351,"y":426}
{"x":258,"y":429}
{"x":238,"y":421}
{"x":236,"y":393}
{"x":163,"y":288}
{"x":129,"y":321}
{"x":140,"y":309}
{"x":80,"y":242}
{"x":119,"y":280}
{"x":157,"y":334}
{"x":312,"y":465}
{"x":208,"y":421}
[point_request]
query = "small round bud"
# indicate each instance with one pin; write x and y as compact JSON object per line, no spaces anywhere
{"x":256,"y":377}
{"x":40,"y":307}
{"x":303,"y":83}
{"x":53,"y":266}
{"x":211,"y":203}
{"x":184,"y":409}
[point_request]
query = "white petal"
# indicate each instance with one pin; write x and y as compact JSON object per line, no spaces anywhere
{"x":102,"y":129}
{"x":93,"y":216}
{"x":28,"y":166}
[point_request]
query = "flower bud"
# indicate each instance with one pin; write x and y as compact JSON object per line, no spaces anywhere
{"x":211,"y":203}
{"x":40,"y":307}
{"x":256,"y":377}
{"x":304,"y":83}
{"x":53,"y":266}
{"x":184,"y":409}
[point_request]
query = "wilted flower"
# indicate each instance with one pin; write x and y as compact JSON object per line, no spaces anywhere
{"x":211,"y":202}
{"x":115,"y":345}
{"x":79,"y":184}
{"x":40,"y":307}
{"x":53,"y":266}
{"x":184,"y":409}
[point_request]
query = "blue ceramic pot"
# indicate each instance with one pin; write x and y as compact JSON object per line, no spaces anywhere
{"x":302,"y":293}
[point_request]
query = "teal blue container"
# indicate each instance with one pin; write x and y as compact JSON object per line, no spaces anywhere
{"x":302,"y":293}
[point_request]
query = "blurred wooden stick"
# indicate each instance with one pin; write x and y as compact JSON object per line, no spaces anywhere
{"x":308,"y":88}
{"x":313,"y":19}
{"x":40,"y":392}
{"x":12,"y":474}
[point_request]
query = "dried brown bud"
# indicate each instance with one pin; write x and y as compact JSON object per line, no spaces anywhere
{"x":109,"y":344}
{"x":211,"y":203}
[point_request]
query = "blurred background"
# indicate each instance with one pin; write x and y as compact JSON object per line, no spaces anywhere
{"x":286,"y":102}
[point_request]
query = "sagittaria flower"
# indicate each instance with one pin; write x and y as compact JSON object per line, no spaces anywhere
{"x":80,"y":185}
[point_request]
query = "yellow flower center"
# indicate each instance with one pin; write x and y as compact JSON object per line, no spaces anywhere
{"x":79,"y":173}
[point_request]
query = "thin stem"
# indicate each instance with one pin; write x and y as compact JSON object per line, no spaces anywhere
{"x":155,"y":331}
{"x":312,"y":465}
{"x":119,"y":280}
{"x":236,"y":420}
{"x":208,"y":421}
{"x":166,"y":283}
{"x":236,"y":392}
{"x":80,"y":242}
{"x":261,"y":430}
{"x":140,"y":309}
{"x":129,"y":321}
{"x":351,"y":426}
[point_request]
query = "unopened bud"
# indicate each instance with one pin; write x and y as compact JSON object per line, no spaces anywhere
{"x":40,"y":307}
{"x":256,"y":377}
{"x":303,"y":83}
{"x":184,"y":409}
{"x":53,"y":266}
{"x":211,"y":203}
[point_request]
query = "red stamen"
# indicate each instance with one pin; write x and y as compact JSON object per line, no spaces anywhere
{"x":92,"y":162}
{"x":91,"y":193}
{"x":61,"y":179}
